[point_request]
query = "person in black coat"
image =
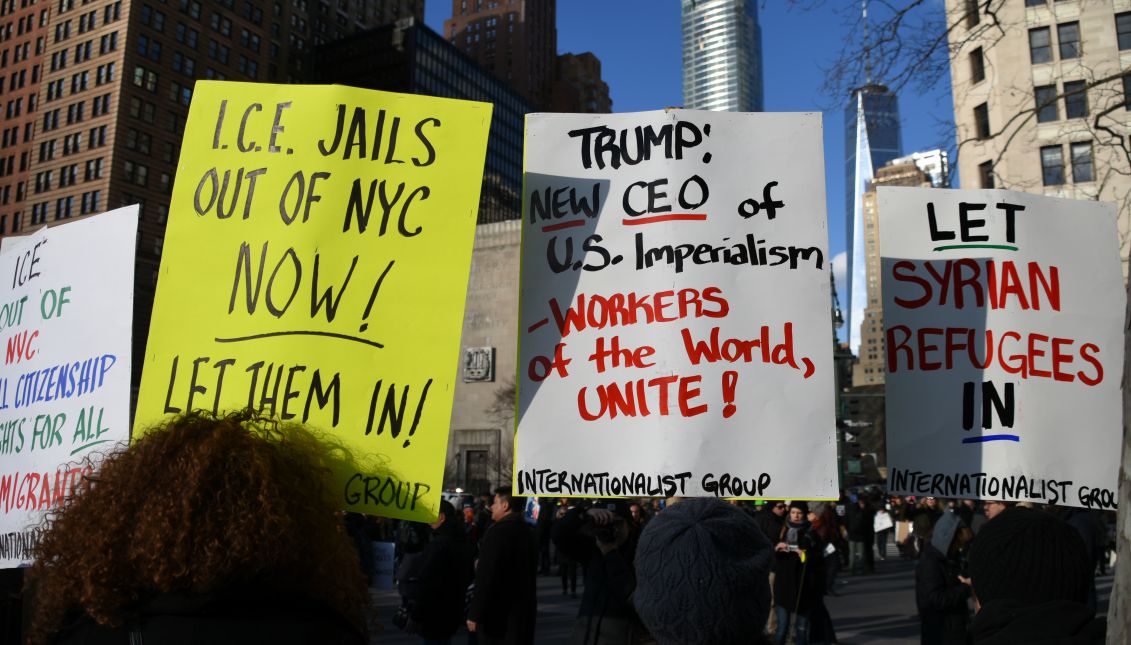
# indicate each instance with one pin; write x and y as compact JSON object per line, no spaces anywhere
{"x":940,"y":593}
{"x":799,"y":574}
{"x":505,"y":601}
{"x":770,"y":519}
{"x":859,"y":520}
{"x":603,"y":540}
{"x":1088,"y":525}
{"x":433,"y":582}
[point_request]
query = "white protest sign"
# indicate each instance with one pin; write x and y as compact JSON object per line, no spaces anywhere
{"x":66,"y":315}
{"x":675,"y":332}
{"x":1003,"y":323}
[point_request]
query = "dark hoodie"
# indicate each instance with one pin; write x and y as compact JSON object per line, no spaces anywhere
{"x":433,"y":582}
{"x":1060,"y":622}
{"x":940,"y":596}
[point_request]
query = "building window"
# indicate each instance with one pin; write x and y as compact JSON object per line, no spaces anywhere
{"x":1068,"y":37}
{"x":982,"y":121}
{"x":977,"y":66}
{"x":1127,"y":92}
{"x":1040,"y":46}
{"x":1052,"y":165}
{"x":1123,"y":30}
{"x":1082,"y":162}
{"x":97,"y":137}
{"x":1035,"y":3}
{"x":1075,"y":100}
{"x":986,"y":174}
{"x":1045,"y":97}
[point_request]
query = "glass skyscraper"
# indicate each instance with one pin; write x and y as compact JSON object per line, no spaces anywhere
{"x":872,"y":138}
{"x":722,"y":55}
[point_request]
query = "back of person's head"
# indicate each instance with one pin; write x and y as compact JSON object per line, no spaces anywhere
{"x":515,"y":504}
{"x":453,"y":521}
{"x":702,"y":572}
{"x":1030,"y":557}
{"x":199,"y":505}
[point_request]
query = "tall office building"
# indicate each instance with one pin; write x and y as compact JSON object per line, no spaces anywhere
{"x":1030,"y":110}
{"x":409,"y":57}
{"x":516,"y":40}
{"x":872,"y":138}
{"x":578,"y":86}
{"x":97,"y":93}
{"x":722,"y":55}
{"x":923,"y":169}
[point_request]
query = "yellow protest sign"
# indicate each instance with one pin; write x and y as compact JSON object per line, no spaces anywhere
{"x":315,"y":267}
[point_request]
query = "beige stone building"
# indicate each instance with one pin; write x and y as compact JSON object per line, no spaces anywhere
{"x":480,"y":444}
{"x":907,"y":171}
{"x":1040,"y":101}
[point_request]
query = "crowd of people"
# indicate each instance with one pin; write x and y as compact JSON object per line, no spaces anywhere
{"x":224,"y":529}
{"x":620,"y":545}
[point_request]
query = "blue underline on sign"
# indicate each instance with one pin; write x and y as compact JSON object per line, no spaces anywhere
{"x":992,"y":437}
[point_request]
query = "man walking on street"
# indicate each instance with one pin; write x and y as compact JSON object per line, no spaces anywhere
{"x":861,"y":522}
{"x":504,"y":604}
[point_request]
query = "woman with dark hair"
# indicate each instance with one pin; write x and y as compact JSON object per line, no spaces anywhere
{"x":205,"y":530}
{"x":824,"y":529}
{"x":799,"y":580}
{"x":434,"y":581}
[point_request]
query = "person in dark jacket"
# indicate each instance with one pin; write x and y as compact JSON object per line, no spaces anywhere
{"x":859,"y":520}
{"x":1029,"y":574}
{"x":1087,"y":524}
{"x":822,"y":520}
{"x":940,"y":594}
{"x":770,"y":519}
{"x":543,"y":529}
{"x":799,"y":575}
{"x":505,"y":602}
{"x":206,"y":530}
{"x":433,"y":582}
{"x":603,"y":540}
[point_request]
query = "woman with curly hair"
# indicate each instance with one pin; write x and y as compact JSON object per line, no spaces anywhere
{"x":205,"y":530}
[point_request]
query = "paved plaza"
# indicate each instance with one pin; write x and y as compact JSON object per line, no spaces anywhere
{"x":873,"y":609}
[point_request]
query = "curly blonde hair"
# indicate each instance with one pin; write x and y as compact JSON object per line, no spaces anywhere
{"x":198,"y":504}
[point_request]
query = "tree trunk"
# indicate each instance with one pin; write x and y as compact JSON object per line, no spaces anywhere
{"x":1119,"y":607}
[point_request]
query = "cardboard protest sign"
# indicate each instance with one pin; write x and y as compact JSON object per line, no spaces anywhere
{"x":66,"y":316}
{"x":315,"y":268}
{"x":1003,"y":323}
{"x":675,"y":332}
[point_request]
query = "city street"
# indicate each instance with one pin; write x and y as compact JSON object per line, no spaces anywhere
{"x":875,"y":609}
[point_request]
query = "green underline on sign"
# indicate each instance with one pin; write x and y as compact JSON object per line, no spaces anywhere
{"x":1004,"y":247}
{"x":95,"y":443}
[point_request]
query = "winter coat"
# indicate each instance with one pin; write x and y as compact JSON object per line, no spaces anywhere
{"x":505,"y":600}
{"x":236,"y":617}
{"x":1060,"y":622}
{"x":770,"y":523}
{"x":799,"y":583}
{"x":433,"y":583}
{"x":940,"y":596}
{"x":610,"y":579}
{"x":859,"y":523}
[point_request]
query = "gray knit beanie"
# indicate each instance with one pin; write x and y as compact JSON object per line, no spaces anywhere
{"x":702,"y":574}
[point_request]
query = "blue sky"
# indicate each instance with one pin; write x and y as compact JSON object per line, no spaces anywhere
{"x":638,"y":42}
